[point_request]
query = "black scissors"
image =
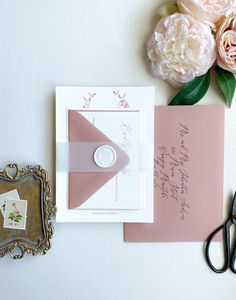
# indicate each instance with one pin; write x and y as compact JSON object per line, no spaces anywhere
{"x":229,"y":253}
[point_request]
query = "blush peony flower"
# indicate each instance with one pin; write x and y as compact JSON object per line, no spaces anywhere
{"x":208,"y":11}
{"x":180,"y":49}
{"x":226,"y":41}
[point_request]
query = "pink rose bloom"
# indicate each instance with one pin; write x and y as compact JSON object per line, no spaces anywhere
{"x":180,"y":49}
{"x":226,"y":41}
{"x":208,"y":11}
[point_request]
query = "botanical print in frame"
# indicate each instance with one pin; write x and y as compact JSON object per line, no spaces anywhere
{"x":15,"y":214}
{"x":32,"y":184}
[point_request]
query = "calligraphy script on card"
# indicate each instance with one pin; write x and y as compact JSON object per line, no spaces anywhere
{"x":171,"y":175}
{"x":126,"y":131}
{"x":126,"y":135}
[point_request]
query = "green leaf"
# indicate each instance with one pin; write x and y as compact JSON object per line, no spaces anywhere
{"x":193,"y":91}
{"x":227,"y":83}
{"x":11,"y":215}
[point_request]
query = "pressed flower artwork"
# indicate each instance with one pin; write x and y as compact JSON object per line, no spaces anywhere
{"x":15,"y":214}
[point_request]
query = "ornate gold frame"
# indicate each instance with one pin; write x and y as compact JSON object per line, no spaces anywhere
{"x":32,"y":183}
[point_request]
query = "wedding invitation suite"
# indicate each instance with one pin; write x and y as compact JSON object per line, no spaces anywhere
{"x":105,"y":142}
{"x":188,"y":175}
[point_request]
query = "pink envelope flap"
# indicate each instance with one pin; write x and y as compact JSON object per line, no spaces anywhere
{"x":82,"y":185}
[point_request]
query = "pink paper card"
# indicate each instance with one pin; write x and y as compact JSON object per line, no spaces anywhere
{"x":188,"y":175}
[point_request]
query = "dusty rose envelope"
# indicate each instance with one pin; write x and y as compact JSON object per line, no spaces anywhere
{"x":82,"y":185}
{"x":188,"y":175}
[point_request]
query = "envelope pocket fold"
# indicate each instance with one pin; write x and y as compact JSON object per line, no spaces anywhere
{"x":104,"y":157}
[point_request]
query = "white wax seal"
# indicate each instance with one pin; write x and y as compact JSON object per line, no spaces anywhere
{"x":105,"y":156}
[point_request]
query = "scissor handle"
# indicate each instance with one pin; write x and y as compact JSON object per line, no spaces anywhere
{"x":226,"y":243}
{"x":233,"y":259}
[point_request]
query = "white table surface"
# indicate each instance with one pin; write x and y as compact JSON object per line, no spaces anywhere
{"x":46,"y":43}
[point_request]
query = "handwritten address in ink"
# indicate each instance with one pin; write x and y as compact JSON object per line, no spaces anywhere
{"x":171,"y":176}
